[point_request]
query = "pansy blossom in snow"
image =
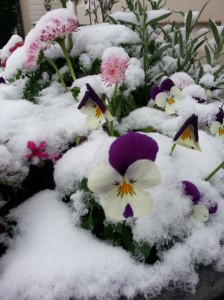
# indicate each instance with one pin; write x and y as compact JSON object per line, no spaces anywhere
{"x":131,"y":170}
{"x":94,"y":108}
{"x":187,"y":135}
{"x":115,"y":62}
{"x":217,"y":127}
{"x":200,"y":211}
{"x":166,"y":95}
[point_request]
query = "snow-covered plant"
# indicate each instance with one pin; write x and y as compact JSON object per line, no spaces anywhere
{"x":14,"y":42}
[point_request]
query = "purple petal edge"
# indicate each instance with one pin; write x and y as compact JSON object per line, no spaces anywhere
{"x":127,"y":149}
{"x":128,"y":211}
{"x":220,"y":116}
{"x":166,"y":85}
{"x":2,"y":80}
{"x":154,"y":92}
{"x":191,"y":190}
{"x":96,"y":98}
{"x":84,"y":100}
{"x":213,"y":208}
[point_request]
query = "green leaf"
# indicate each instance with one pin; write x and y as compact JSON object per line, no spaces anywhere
{"x":158,"y":53}
{"x":88,"y":223}
{"x":75,"y":92}
{"x":200,"y":74}
{"x":208,"y":55}
{"x":156,"y":20}
{"x":215,"y":32}
{"x":83,"y":185}
{"x":188,"y":25}
{"x":112,"y":20}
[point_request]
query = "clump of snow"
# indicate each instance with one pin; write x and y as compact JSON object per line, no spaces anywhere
{"x":207,"y":80}
{"x":181,"y":79}
{"x":15,"y":62}
{"x":94,"y":39}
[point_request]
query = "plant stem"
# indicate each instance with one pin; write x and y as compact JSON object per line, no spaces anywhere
{"x":61,"y":43}
{"x":112,"y":110}
{"x":58,"y":73}
{"x":70,"y":42}
{"x":214,"y":172}
{"x":172,"y":149}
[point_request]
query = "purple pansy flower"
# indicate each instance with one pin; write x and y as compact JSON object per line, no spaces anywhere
{"x":166,"y":95}
{"x":199,"y":210}
{"x":187,"y":135}
{"x":2,"y":80}
{"x":131,"y":170}
{"x":217,"y":127}
{"x":94,"y":108}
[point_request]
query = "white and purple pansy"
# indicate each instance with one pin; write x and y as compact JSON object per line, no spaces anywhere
{"x":131,"y":169}
{"x":217,"y":127}
{"x":187,"y":135}
{"x":200,"y":211}
{"x":166,"y":95}
{"x":94,"y":108}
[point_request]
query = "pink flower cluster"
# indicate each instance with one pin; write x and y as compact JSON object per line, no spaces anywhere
{"x":37,"y":153}
{"x":115,"y":62}
{"x":15,"y":42}
{"x":56,"y":24}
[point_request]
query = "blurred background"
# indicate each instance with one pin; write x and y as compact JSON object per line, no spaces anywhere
{"x":18,"y":16}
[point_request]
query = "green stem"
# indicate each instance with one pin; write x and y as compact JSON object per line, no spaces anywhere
{"x":70,"y":42}
{"x":63,"y":3}
{"x":61,"y":43}
{"x":58,"y":73}
{"x":112,"y":109}
{"x":172,"y":149}
{"x":214,"y":172}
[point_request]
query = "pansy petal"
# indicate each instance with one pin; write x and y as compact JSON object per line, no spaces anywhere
{"x":108,"y":116}
{"x":154,"y":92}
{"x":103,"y":179}
{"x":169,"y":109}
{"x":187,"y":139}
{"x":127,"y":149}
{"x":200,"y":213}
{"x":94,"y":123}
{"x":161,"y":99}
{"x":175,"y":92}
{"x":115,"y":206}
{"x":214,"y":128}
{"x":144,"y":174}
{"x":191,"y":190}
{"x":220,"y":116}
{"x":166,"y":85}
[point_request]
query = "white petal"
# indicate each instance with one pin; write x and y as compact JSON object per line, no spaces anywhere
{"x":161,"y":99}
{"x":144,"y":172}
{"x":175,"y":92}
{"x":169,"y":109}
{"x":95,"y":123}
{"x":215,"y":127}
{"x":102,"y":179}
{"x":186,"y":141}
{"x":114,"y":206}
{"x":88,"y":109}
{"x":108,"y":116}
{"x":200,"y":213}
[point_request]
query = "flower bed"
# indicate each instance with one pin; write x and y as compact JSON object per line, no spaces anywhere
{"x":111,"y":156}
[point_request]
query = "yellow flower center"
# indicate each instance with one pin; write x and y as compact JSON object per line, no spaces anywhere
{"x":125,"y":188}
{"x":98,"y":112}
{"x":221,"y":131}
{"x":170,"y":101}
{"x":186,"y":135}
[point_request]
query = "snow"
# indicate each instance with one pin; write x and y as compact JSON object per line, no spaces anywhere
{"x":49,"y":255}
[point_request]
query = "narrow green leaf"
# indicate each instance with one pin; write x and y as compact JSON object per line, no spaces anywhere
{"x":188,"y":25}
{"x":215,"y":32}
{"x":208,"y":55}
{"x":156,"y":20}
{"x":158,"y":53}
{"x":200,"y":74}
{"x":181,"y":46}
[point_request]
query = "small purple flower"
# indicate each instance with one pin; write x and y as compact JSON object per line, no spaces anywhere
{"x":191,"y":190}
{"x":94,"y":108}
{"x":187,"y":135}
{"x":2,"y":80}
{"x":166,"y":95}
{"x":131,"y":170}
{"x":200,"y":211}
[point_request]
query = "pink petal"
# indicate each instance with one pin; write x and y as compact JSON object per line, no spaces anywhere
{"x":31,"y":145}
